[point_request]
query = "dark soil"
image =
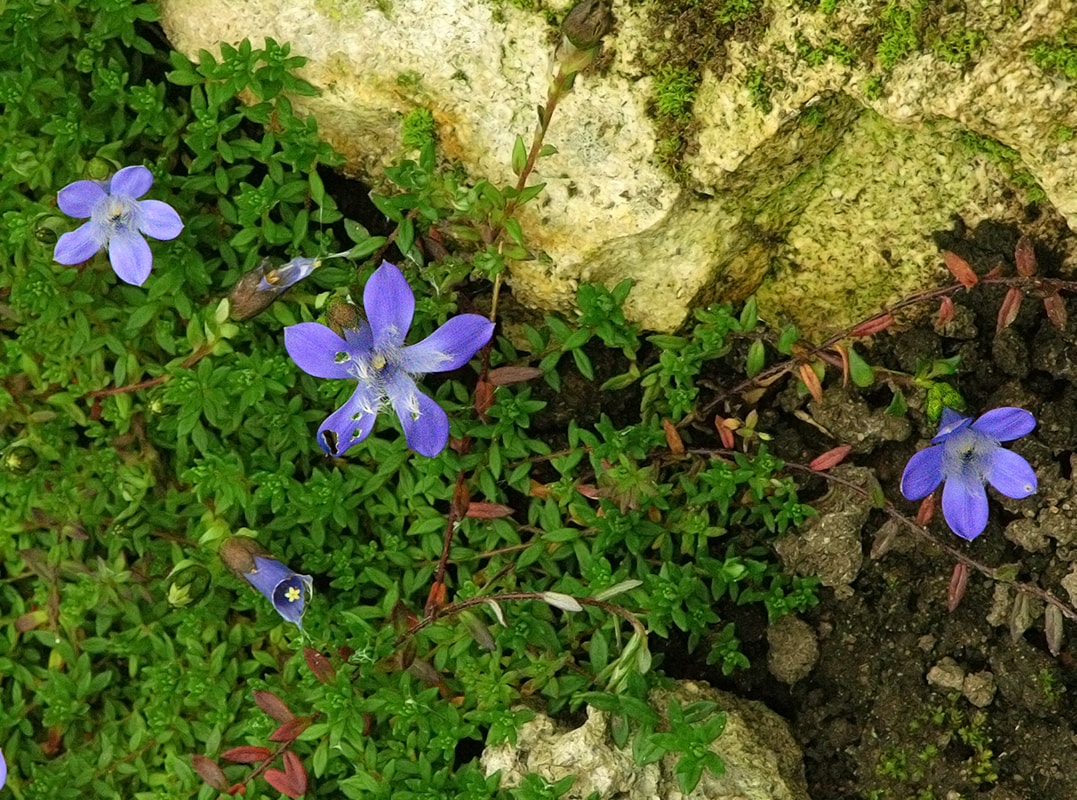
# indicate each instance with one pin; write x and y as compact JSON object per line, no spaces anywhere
{"x":995,"y":719}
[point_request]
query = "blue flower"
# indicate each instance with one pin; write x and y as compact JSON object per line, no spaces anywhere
{"x":3,"y":770}
{"x":965,"y":455}
{"x":286,"y":590}
{"x":277,"y":279}
{"x":375,"y":356}
{"x":117,"y":221}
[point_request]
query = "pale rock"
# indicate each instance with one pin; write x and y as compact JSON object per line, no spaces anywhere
{"x":827,"y":222}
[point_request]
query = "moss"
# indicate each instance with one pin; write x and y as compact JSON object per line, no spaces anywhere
{"x":898,"y":26}
{"x":760,"y":86}
{"x":1008,"y":161}
{"x":1058,"y":56}
{"x":675,"y":91}
{"x":418,"y":129}
{"x":959,"y":47}
{"x":814,"y":117}
{"x":830,"y":49}
{"x":873,"y":87}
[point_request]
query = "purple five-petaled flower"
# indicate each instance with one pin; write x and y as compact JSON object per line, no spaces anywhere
{"x":3,"y":770}
{"x":288,"y":591}
{"x":966,"y":454}
{"x":384,"y":368}
{"x":118,"y":220}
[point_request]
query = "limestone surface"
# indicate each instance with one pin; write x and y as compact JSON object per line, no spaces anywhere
{"x":824,"y":202}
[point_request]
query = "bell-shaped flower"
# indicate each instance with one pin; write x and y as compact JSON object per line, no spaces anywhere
{"x":118,"y":220}
{"x":288,"y":591}
{"x":383,"y":367}
{"x":966,"y":454}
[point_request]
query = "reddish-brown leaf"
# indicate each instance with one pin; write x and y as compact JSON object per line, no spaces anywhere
{"x":831,"y":458}
{"x":484,"y":397}
{"x":435,"y":601}
{"x":841,"y":351}
{"x":1055,"y":307}
{"x":1025,"y":256}
{"x":811,"y":380}
{"x":725,"y":434}
{"x":673,"y":438}
{"x":960,"y":269}
{"x":273,"y":705}
{"x":503,"y":376}
{"x":1007,"y":312}
{"x":319,"y":665}
{"x":210,"y":772}
{"x":926,"y":510}
{"x":247,"y":754}
{"x":461,"y":499}
{"x":959,"y":581}
{"x":589,"y":490}
{"x":946,"y":312}
{"x":293,"y":781}
{"x":236,"y":788}
{"x":539,"y":490}
{"x":289,"y":731}
{"x":873,"y":325}
{"x":488,"y":511}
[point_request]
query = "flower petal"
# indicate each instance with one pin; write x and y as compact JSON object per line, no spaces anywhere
{"x":78,"y":199}
{"x":964,"y":505}
{"x":425,"y":423}
{"x":79,"y":245}
{"x":351,"y":423}
{"x":951,"y":423}
{"x":130,"y":258}
{"x":131,"y":182}
{"x":317,"y":350}
{"x":265,"y":576}
{"x":389,"y":304}
{"x":1005,"y":424}
{"x":159,"y":220}
{"x":449,"y":347}
{"x":922,"y":474}
{"x":1011,"y":475}
{"x":290,"y":596}
{"x":3,"y":770}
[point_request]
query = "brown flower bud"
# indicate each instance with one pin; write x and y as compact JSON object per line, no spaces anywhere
{"x":342,"y":316}
{"x":587,"y":23}
{"x":238,"y":552}
{"x":248,"y":298}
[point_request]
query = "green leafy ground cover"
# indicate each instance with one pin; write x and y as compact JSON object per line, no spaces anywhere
{"x":143,"y":427}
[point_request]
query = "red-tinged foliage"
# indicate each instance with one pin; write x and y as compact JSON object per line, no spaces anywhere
{"x":273,"y":705}
{"x":844,"y":354}
{"x":319,"y":665}
{"x":236,"y":788}
{"x":484,"y":397}
{"x":673,"y":438}
{"x":960,"y":269}
{"x":874,"y":325}
{"x":504,"y":376}
{"x":1025,"y":256}
{"x":724,"y":433}
{"x":946,"y":312}
{"x":461,"y":499}
{"x":1055,"y":307}
{"x":246,"y":754}
{"x":210,"y":772}
{"x":1007,"y":312}
{"x":435,"y":601}
{"x":831,"y":458}
{"x":588,"y":490}
{"x":289,"y":731}
{"x":959,"y":581}
{"x":926,"y":510}
{"x":293,"y":780}
{"x":488,"y":511}
{"x":811,"y":380}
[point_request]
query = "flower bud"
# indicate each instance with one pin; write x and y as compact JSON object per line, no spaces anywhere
{"x":342,"y":316}
{"x":587,"y":23}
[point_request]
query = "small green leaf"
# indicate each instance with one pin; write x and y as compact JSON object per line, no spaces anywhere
{"x":898,"y":407}
{"x":749,"y":315}
{"x":788,"y":337}
{"x":859,"y":369}
{"x":519,"y":155}
{"x":756,"y":360}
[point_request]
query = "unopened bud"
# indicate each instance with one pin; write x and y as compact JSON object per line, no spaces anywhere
{"x":587,"y":23}
{"x":238,"y":552}
{"x":342,"y":316}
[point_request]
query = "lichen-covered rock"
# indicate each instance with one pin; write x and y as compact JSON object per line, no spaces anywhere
{"x":762,"y":760}
{"x":824,"y":202}
{"x":793,"y":649}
